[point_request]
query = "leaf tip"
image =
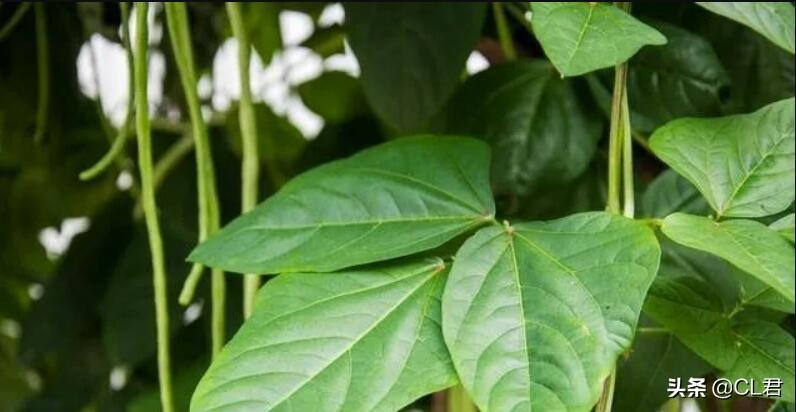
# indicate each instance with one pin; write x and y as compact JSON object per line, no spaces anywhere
{"x":439,"y":267}
{"x":508,"y":227}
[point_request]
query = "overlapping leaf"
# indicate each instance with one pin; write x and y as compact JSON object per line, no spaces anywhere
{"x":363,"y":340}
{"x":772,"y":19}
{"x":540,"y":132}
{"x":583,"y":37}
{"x":412,"y":55}
{"x":682,"y":78}
{"x":393,"y":200}
{"x":643,"y":376}
{"x":750,"y":349}
{"x":785,"y":227}
{"x":670,"y":193}
{"x":535,"y":315}
{"x":747,"y":244}
{"x":742,"y":164}
{"x":761,"y":72}
{"x":335,"y":95}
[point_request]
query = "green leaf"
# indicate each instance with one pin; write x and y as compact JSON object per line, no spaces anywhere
{"x":583,"y":37}
{"x":643,"y":376}
{"x":742,"y":349}
{"x":585,"y":193}
{"x":392,"y":200}
{"x":335,"y":96}
{"x":782,"y":406}
{"x":785,"y":227}
{"x":541,"y":133}
{"x":682,"y":78}
{"x":747,"y":244}
{"x":360,"y":340}
{"x":733,"y":286}
{"x":536,"y":315}
{"x":774,"y":20}
{"x":681,"y":261}
{"x":761,"y":72}
{"x":742,"y":164}
{"x":670,"y":193}
{"x":411,"y":55}
{"x":753,"y":292}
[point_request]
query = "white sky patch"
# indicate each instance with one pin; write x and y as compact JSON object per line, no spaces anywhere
{"x":205,"y":87}
{"x":343,"y":62}
{"x":302,"y":65}
{"x":118,"y":378}
{"x":476,"y":62}
{"x":225,"y":82}
{"x":295,"y":27}
{"x":192,"y":313}
{"x":308,"y":123}
{"x":10,"y":328}
{"x":35,"y":291}
{"x":111,"y":77}
{"x":332,"y":14}
{"x":690,"y":405}
{"x":273,"y":84}
{"x":124,"y":181}
{"x":56,"y":241}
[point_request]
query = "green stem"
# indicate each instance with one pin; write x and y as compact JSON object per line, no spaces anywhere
{"x":607,"y":399}
{"x":43,"y":60}
{"x":459,"y":400}
{"x":19,"y":13}
{"x":616,"y":140}
{"x":620,"y":152}
{"x":209,"y":216}
{"x":117,"y":147}
{"x":652,"y":330}
{"x":166,"y":163}
{"x":150,"y":208}
{"x":250,"y":170}
{"x":627,"y":159}
{"x":218,"y":295}
{"x":504,"y":35}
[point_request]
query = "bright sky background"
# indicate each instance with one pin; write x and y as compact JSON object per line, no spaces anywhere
{"x":103,"y":72}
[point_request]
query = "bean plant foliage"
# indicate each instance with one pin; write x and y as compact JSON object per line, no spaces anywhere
{"x":602,"y":211}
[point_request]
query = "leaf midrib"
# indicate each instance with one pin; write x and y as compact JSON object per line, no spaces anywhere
{"x":516,"y":273}
{"x":582,"y":34}
{"x":422,"y":183}
{"x":780,"y":287}
{"x":728,"y":202}
{"x":764,"y":353}
{"x":370,"y":222}
{"x":430,"y":275}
